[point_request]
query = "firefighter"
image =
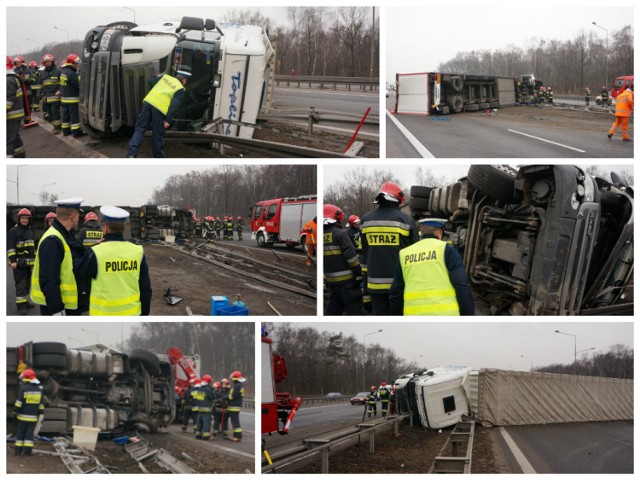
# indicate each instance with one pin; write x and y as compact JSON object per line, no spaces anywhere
{"x":384,"y":393}
{"x":218,"y":226}
{"x":225,"y":390}
{"x":91,"y":233}
{"x":217,"y":408}
{"x":228,"y":228}
{"x":311,"y":238}
{"x":239,"y":228}
{"x":587,"y":95}
{"x":53,"y":285}
{"x":27,"y":410}
{"x":203,"y":395}
{"x":385,"y":231}
{"x":158,"y":109}
{"x":15,"y":113}
{"x":342,"y":270}
{"x":21,"y":253}
{"x":24,"y":74}
{"x":430,"y":278}
{"x":392,"y":401}
{"x":371,"y":401}
{"x":35,"y":86}
{"x":550,"y":95}
{"x":48,"y":219}
{"x":236,"y":394}
{"x":187,"y":407}
{"x":120,"y":283}
{"x":70,"y":88}
{"x":624,"y":107}
{"x":50,"y":80}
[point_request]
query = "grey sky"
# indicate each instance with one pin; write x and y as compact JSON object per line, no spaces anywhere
{"x":130,"y":185}
{"x":73,"y":334}
{"x":486,"y":344}
{"x":419,"y":38}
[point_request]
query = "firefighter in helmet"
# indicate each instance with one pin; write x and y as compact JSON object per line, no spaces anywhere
{"x":187,"y":407}
{"x":217,"y":408}
{"x":239,"y":227}
{"x":70,"y":88}
{"x":204,"y":396}
{"x":50,"y":80}
{"x":27,"y":409}
{"x":35,"y":86}
{"x":24,"y":74}
{"x":385,"y":231}
{"x":587,"y":95}
{"x":218,"y":226}
{"x":385,"y":395}
{"x":236,"y":394}
{"x":21,"y":253}
{"x":225,"y":390}
{"x":372,"y":400}
{"x":342,"y":270}
{"x":91,"y":233}
{"x":48,"y":219}
{"x":15,"y":113}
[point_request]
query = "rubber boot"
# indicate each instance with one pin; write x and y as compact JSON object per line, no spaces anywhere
{"x":17,"y":451}
{"x":27,"y":450}
{"x":22,"y":309}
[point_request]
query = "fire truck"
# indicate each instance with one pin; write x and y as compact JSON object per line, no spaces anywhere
{"x":186,"y":369}
{"x":282,"y":220}
{"x":277,"y":407}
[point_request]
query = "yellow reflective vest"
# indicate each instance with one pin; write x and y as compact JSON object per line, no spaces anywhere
{"x":115,"y":290}
{"x":427,"y":288}
{"x":162,"y":93}
{"x":68,"y":287}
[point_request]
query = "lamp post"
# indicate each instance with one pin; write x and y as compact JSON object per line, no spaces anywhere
{"x":364,"y":362}
{"x":606,"y":56}
{"x":523,"y":356}
{"x":92,"y":333}
{"x":575,"y":354}
{"x":63,"y":30}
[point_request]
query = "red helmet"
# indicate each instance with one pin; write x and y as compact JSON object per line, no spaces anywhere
{"x":216,"y":385}
{"x":50,"y":215}
{"x":391,"y":192}
{"x":33,"y":64}
{"x":224,"y":381}
{"x":239,"y":218}
{"x":236,"y":375}
{"x":353,"y":219}
{"x":331,"y":212}
{"x":9,"y":63}
{"x":24,"y":212}
{"x":28,"y":375}
{"x":90,"y":216}
{"x":47,"y":57}
{"x":373,"y":387}
{"x":18,"y":58}
{"x":384,"y":384}
{"x":207,"y":378}
{"x":72,"y":58}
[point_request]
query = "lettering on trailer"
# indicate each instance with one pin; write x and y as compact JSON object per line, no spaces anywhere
{"x":383,"y":239}
{"x":121,"y":266}
{"x":328,"y":237}
{"x":235,"y":85}
{"x":420,"y":257}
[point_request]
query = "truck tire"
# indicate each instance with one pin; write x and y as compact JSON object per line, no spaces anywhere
{"x":495,"y":181}
{"x":54,"y":413}
{"x":418,"y":203}
{"x":54,"y":348}
{"x":456,"y":83}
{"x":142,"y":422}
{"x":50,"y":360}
{"x":474,"y":107}
{"x":420,"y":191}
{"x":260,"y":240}
{"x":456,"y":104}
{"x":147,"y":358}
{"x":484,"y":106}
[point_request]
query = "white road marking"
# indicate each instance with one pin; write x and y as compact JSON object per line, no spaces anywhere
{"x":421,"y":149}
{"x":517,"y":453}
{"x":548,"y":141}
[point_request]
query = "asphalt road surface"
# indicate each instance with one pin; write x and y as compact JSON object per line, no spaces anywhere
{"x":594,"y":447}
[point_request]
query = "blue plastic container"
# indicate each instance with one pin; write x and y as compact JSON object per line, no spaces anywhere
{"x":233,"y":310}
{"x":217,"y":302}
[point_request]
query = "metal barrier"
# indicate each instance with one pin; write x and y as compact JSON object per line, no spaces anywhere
{"x":361,"y":82}
{"x":322,"y":399}
{"x":449,"y":459}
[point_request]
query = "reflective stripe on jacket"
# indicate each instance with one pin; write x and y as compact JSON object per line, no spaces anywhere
{"x":624,"y":104}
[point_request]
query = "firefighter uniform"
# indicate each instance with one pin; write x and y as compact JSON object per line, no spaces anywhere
{"x":158,"y":109}
{"x":36,"y":87}
{"x":203,"y":403}
{"x":236,"y":394}
{"x":21,"y":252}
{"x":372,"y":400}
{"x":197,"y":227}
{"x":50,"y":81}
{"x":624,"y":107}
{"x":385,"y":231}
{"x":342,"y":271}
{"x":225,"y":391}
{"x":90,"y":234}
{"x":385,"y":395}
{"x":187,"y":409}
{"x":217,"y":410}
{"x":120,"y":282}
{"x":15,"y":114}
{"x":27,"y":409}
{"x":70,"y":88}
{"x":218,"y":226}
{"x":239,"y":228}
{"x":228,"y":229}
{"x":24,"y":74}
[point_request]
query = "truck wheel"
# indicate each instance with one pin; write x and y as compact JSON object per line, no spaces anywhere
{"x":420,"y":191}
{"x":495,"y":181}
{"x":456,"y":83}
{"x":418,"y":203}
{"x":49,"y":360}
{"x":147,"y":358}
{"x":142,"y":422}
{"x":261,"y":240}
{"x":54,"y":348}
{"x":455,"y":103}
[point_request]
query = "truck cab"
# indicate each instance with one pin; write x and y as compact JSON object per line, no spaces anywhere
{"x":620,"y":84}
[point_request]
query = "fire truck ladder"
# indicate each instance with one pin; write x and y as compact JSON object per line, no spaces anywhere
{"x":455,"y":454}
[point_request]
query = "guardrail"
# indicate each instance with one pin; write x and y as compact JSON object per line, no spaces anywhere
{"x":323,"y":399}
{"x":249,"y":403}
{"x":361,"y":82}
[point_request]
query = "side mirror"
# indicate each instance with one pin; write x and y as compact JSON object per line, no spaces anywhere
{"x":618,"y":180}
{"x":209,"y":24}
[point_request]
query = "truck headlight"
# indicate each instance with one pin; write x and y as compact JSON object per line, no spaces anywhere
{"x":104,"y":42}
{"x":589,"y":189}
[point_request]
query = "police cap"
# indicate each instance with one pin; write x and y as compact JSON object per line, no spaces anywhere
{"x":113,"y":214}
{"x":74,"y":202}
{"x":433,"y":222}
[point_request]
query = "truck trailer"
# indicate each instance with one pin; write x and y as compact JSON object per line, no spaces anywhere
{"x":229,"y":64}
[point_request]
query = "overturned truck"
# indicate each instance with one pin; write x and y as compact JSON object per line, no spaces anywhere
{"x":95,"y":386}
{"x":540,"y":240}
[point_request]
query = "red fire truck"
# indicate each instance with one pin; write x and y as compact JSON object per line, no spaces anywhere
{"x":281,"y":220}
{"x":620,"y":84}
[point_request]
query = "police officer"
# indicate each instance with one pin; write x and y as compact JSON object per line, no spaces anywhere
{"x":91,"y":233}
{"x":385,"y":231}
{"x":372,"y":400}
{"x":158,"y":109}
{"x":21,"y":253}
{"x":342,"y":270}
{"x":27,"y":409}
{"x":236,"y":394}
{"x":430,"y":278}
{"x":15,"y":112}
{"x":70,"y":88}
{"x":120,"y":283}
{"x":385,"y":395}
{"x":239,"y":228}
{"x":50,"y":80}
{"x":53,"y":285}
{"x":203,"y":395}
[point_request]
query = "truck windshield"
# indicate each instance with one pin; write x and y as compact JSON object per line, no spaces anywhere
{"x":202,"y":58}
